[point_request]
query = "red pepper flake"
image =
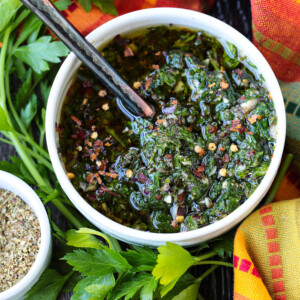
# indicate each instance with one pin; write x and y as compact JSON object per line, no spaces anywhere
{"x":174,"y":102}
{"x":239,"y":72}
{"x":93,"y":156}
{"x":85,"y":101}
{"x":90,"y":178}
{"x":187,"y":55}
{"x":1,"y":44}
{"x":181,"y":196}
{"x":248,"y":132}
{"x":148,"y":82}
{"x":158,"y":197}
{"x":200,"y":169}
{"x":196,"y":173}
{"x":168,"y":156}
{"x":235,"y":125}
{"x":112,"y":175}
{"x":157,"y":53}
{"x":128,"y":51}
{"x":242,"y":98}
{"x":225,"y":158}
{"x":213,"y":129}
{"x":155,"y":67}
{"x":174,"y":224}
{"x":224,"y":85}
{"x":76,"y":120}
{"x":150,"y":127}
{"x":107,"y":144}
{"x":98,"y":178}
{"x":212,"y":85}
{"x":253,"y":119}
{"x":221,"y":148}
{"x":88,"y":143}
{"x":160,"y":121}
{"x":58,"y":128}
{"x":97,"y":145}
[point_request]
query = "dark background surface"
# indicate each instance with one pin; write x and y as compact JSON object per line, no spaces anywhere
{"x":219,"y":285}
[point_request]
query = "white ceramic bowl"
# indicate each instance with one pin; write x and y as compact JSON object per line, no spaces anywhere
{"x":132,"y":22}
{"x":26,"y":193}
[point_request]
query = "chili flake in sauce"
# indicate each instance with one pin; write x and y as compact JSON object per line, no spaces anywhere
{"x":197,"y":160}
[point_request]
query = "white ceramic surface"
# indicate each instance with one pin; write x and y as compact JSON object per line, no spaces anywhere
{"x":25,"y":192}
{"x":133,"y":22}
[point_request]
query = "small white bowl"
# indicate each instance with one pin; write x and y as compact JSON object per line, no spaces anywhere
{"x":26,"y":193}
{"x":134,"y":22}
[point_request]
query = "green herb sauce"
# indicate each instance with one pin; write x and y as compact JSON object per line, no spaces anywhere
{"x":202,"y":155}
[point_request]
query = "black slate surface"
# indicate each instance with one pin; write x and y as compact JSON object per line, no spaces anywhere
{"x":219,"y":285}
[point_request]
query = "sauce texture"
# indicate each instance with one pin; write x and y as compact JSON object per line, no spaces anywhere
{"x":202,"y":155}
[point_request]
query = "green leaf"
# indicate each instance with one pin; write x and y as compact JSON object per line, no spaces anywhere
{"x":4,"y":125}
{"x":143,"y":258}
{"x":8,"y":9}
{"x":172,"y":262}
{"x":45,"y":88}
{"x":106,"y":6}
{"x":124,"y":277}
{"x":72,"y":282}
{"x":130,"y":288}
{"x":185,"y":281}
{"x":29,"y":112}
{"x":148,"y":289}
{"x":32,"y":25}
{"x":81,"y":240}
{"x":97,"y":262}
{"x":23,"y":92}
{"x":93,"y":286}
{"x":94,"y":232}
{"x":38,"y":54}
{"x":190,"y":292}
{"x":100,"y":288}
{"x":62,"y":4}
{"x":48,"y":287}
{"x":15,"y":170}
{"x":223,"y":245}
{"x":86,"y":4}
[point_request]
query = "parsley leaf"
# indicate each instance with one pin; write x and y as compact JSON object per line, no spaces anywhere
{"x":39,"y":53}
{"x":130,"y":288}
{"x":62,"y":4}
{"x":172,"y":262}
{"x":107,"y":6}
{"x":49,"y":286}
{"x":92,"y":286}
{"x":144,"y":259}
{"x":4,"y":125}
{"x":8,"y":9}
{"x":97,"y":262}
{"x":30,"y":111}
{"x":148,"y":289}
{"x":81,"y":240}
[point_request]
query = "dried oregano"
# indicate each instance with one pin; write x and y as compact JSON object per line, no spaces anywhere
{"x":19,"y":239}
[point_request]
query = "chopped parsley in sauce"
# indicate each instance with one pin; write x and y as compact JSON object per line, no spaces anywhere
{"x":202,"y":155}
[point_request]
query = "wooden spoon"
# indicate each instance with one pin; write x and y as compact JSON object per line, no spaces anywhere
{"x":89,"y":55}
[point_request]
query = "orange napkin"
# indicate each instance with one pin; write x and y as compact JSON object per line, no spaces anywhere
{"x":266,"y":253}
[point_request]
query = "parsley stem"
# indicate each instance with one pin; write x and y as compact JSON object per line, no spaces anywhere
{"x":275,"y":186}
{"x":2,"y":65}
{"x":6,"y":141}
{"x":206,"y":273}
{"x":214,"y":262}
{"x":206,"y":256}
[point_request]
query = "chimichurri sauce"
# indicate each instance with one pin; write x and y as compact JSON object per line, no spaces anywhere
{"x":202,"y":155}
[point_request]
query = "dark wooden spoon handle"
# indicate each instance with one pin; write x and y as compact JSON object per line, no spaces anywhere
{"x":87,"y":53}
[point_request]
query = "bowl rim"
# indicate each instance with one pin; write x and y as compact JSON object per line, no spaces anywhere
{"x":150,"y":238}
{"x":17,"y":186}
